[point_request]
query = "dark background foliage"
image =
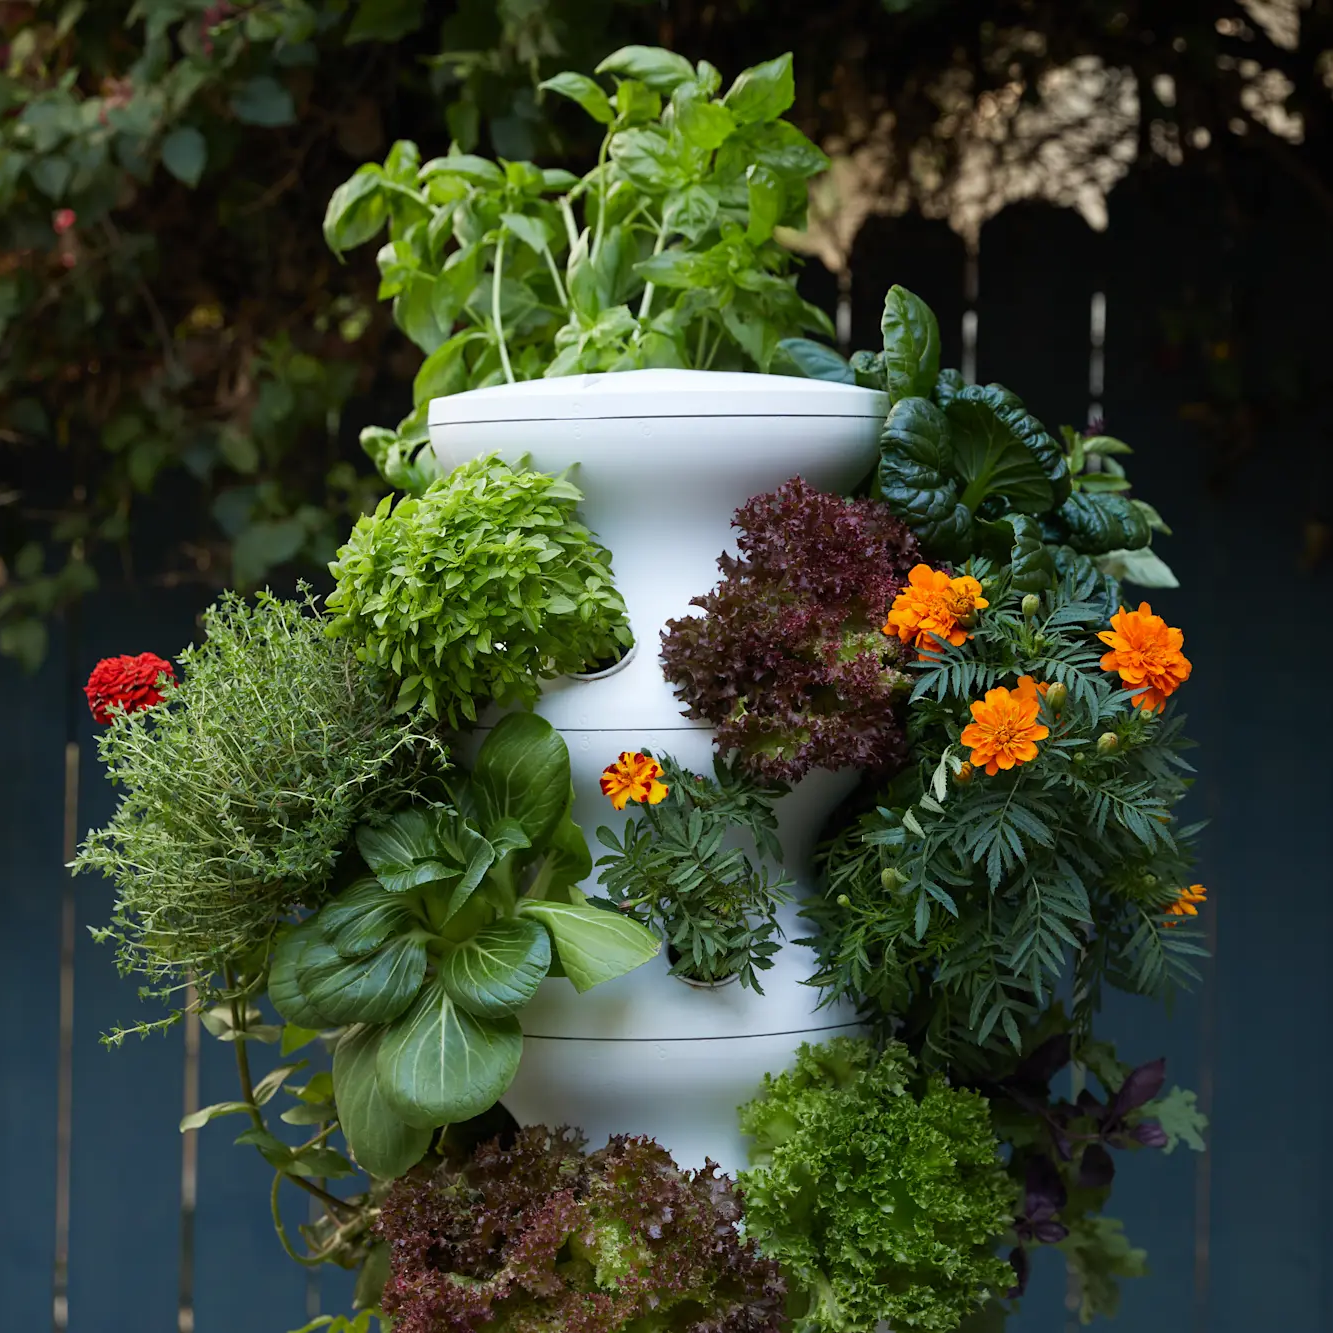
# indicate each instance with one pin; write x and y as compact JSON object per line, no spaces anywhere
{"x":183,"y":365}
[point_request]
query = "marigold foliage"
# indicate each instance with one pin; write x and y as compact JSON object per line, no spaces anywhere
{"x":789,"y":661}
{"x":676,"y":867}
{"x":538,"y":1237}
{"x":242,"y":788}
{"x":881,"y":1193}
{"x":477,"y":589}
{"x":972,"y":897}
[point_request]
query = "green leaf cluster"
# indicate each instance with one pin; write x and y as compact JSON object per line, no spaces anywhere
{"x":241,"y":790}
{"x":973,"y":895}
{"x":477,"y":589}
{"x":972,"y":472}
{"x":664,"y":254}
{"x":677,"y":868}
{"x":880,"y":1191}
{"x":469,"y":905}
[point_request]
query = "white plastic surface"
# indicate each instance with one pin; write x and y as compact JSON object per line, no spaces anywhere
{"x":660,"y":488}
{"x":664,"y":458}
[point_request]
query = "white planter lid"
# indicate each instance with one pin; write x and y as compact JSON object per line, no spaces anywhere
{"x":639,"y":394}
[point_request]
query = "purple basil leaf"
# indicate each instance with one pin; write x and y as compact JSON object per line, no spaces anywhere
{"x":1097,"y":1170}
{"x":1142,"y":1085}
{"x":1045,"y":1062}
{"x":1150,"y":1134}
{"x":1018,"y":1257}
{"x":1046,"y":1193}
{"x":1050,"y":1233}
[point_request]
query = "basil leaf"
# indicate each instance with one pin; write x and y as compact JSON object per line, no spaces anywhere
{"x":765,"y":204}
{"x":659,"y":69}
{"x":475,"y":170}
{"x":381,"y":1143}
{"x":583,"y":90}
{"x":498,"y":970}
{"x":762,"y":93}
{"x":522,"y":774}
{"x":702,"y":122}
{"x":284,"y":990}
{"x":813,"y":361}
{"x":911,"y":345}
{"x":1142,"y":567}
{"x":647,"y":159}
{"x":364,"y":990}
{"x":593,"y":944}
{"x":362,"y":917}
{"x":438,"y":1065}
{"x":357,"y":209}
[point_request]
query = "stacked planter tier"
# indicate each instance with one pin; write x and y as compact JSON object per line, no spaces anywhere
{"x":664,"y":458}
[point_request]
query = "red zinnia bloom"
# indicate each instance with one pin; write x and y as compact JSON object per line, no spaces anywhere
{"x":126,"y":683}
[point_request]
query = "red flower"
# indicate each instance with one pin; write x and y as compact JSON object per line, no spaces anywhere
{"x":63,"y":220}
{"x":126,"y":683}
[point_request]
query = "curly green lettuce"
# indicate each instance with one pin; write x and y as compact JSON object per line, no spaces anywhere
{"x":879,"y":1191}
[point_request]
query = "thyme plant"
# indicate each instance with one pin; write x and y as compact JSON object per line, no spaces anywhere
{"x":241,"y":789}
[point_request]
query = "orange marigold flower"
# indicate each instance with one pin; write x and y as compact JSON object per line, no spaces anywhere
{"x":1187,"y":902}
{"x":1028,"y":688}
{"x":1145,"y":651}
{"x":935,"y":608}
{"x":1004,"y":730}
{"x":633,"y":777}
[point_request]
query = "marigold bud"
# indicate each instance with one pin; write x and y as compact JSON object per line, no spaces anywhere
{"x":964,"y":773}
{"x":1108,"y":743}
{"x":892,"y":878}
{"x":1031,"y":605}
{"x":843,"y":900}
{"x":1056,"y":697}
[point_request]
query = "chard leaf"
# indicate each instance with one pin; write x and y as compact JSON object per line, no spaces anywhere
{"x":593,"y":944}
{"x":497,"y":970}
{"x":438,"y":1064}
{"x":382,"y":1144}
{"x":1101,"y":522}
{"x":375,"y":989}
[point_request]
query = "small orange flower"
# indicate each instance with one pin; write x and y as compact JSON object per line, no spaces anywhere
{"x":1028,"y":688}
{"x":1004,"y":730}
{"x":1187,"y":902}
{"x":934,"y":608}
{"x":633,"y":777}
{"x":1145,"y":651}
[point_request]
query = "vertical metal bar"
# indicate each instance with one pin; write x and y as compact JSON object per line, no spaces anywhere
{"x":1097,"y":355}
{"x":65,"y":1058}
{"x":189,"y":1169}
{"x":971,"y":290}
{"x":843,"y":323}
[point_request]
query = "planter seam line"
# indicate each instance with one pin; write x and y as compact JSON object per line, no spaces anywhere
{"x":691,"y":416}
{"x":657,"y":1041}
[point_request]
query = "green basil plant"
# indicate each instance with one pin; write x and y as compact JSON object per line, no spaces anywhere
{"x":663,"y":255}
{"x":469,"y":905}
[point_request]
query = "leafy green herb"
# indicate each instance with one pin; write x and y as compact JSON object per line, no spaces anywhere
{"x":675,"y":868}
{"x":478,"y":589}
{"x":880,"y":1192}
{"x":242,"y":789}
{"x":433,"y":953}
{"x":664,"y":254}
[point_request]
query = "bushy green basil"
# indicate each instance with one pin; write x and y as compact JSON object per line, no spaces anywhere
{"x":477,"y":589}
{"x":664,"y":254}
{"x":469,"y":905}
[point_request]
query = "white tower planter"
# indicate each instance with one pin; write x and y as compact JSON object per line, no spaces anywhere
{"x":665,"y":457}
